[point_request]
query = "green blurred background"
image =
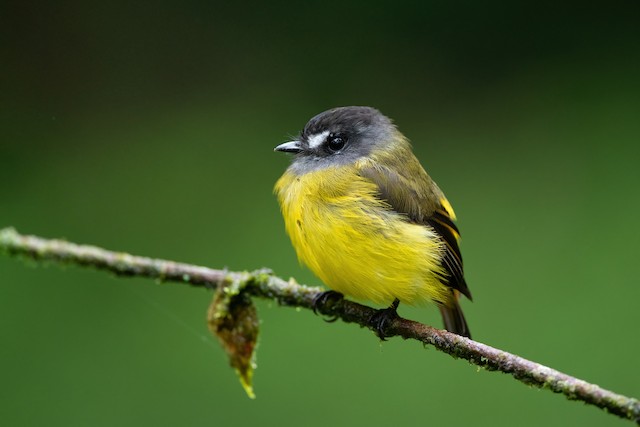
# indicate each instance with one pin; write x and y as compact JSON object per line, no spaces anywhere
{"x":149,"y":128}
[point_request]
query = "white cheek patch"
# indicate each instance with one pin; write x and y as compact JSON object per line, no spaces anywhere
{"x":316,"y":140}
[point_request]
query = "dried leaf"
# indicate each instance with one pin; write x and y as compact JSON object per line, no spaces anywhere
{"x":233,"y":319}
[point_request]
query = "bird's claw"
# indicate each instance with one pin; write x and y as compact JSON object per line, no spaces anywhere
{"x":381,"y":319}
{"x":324,"y":298}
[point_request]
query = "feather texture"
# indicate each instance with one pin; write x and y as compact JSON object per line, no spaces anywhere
{"x":356,"y":243}
{"x":409,"y":190}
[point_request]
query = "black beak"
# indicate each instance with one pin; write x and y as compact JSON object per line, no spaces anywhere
{"x":289,"y":147}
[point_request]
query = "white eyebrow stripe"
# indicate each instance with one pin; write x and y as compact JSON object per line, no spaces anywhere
{"x":316,"y":140}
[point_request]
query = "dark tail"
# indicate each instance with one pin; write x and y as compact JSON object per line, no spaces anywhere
{"x":454,"y":320}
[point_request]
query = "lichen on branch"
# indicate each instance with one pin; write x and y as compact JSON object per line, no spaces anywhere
{"x":264,"y":284}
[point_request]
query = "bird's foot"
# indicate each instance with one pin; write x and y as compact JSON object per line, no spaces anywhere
{"x":323,"y":299}
{"x":381,"y":319}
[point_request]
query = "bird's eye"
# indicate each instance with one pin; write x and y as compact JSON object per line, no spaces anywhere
{"x":336,"y":142}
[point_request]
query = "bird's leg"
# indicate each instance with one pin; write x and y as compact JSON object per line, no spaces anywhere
{"x":381,"y":318}
{"x":322,"y":299}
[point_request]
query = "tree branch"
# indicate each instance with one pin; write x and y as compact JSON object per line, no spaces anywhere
{"x":264,"y":284}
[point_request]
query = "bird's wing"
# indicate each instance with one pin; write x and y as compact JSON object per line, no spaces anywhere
{"x":410,"y":191}
{"x":442,"y":221}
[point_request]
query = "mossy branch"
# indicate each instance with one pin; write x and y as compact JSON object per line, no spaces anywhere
{"x":264,"y":284}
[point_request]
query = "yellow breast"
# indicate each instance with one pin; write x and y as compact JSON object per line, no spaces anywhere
{"x":355,"y":243}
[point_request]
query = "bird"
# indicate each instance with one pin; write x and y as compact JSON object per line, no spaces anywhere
{"x":365,"y":217}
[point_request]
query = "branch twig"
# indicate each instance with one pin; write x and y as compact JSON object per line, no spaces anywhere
{"x":264,"y":284}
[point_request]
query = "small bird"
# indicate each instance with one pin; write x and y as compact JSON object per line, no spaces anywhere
{"x":366,"y":218}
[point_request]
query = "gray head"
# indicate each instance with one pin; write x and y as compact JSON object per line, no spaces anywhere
{"x":338,"y":136}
